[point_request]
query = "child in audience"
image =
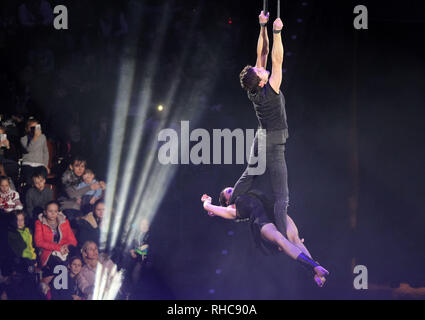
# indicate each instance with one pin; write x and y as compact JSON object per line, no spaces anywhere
{"x":22,"y":260}
{"x":72,"y":292}
{"x":91,"y":196}
{"x":3,"y":173}
{"x":37,"y":196}
{"x":9,"y":199}
{"x":20,"y":242}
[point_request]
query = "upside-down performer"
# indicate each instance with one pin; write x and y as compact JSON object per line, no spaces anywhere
{"x":257,"y":207}
{"x":264,"y":92}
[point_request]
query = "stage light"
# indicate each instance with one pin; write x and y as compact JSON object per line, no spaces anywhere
{"x":134,"y":195}
{"x":144,"y":99}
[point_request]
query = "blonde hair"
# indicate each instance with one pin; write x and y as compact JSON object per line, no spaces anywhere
{"x":88,"y":171}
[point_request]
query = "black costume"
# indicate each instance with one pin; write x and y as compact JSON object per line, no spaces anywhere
{"x":257,"y":205}
{"x":271,"y":114}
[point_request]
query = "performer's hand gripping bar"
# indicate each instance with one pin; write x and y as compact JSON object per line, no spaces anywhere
{"x":265,"y":10}
{"x":278,"y":8}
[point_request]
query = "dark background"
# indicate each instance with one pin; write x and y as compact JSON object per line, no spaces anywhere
{"x":354,"y":101}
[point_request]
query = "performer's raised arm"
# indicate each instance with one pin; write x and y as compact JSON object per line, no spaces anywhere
{"x":263,"y":42}
{"x":277,"y":56}
{"x":228,"y":213}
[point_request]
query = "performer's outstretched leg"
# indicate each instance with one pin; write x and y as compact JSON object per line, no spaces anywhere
{"x":270,"y":233}
{"x":279,"y":179}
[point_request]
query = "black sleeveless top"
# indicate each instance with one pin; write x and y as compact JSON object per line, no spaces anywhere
{"x":251,"y":203}
{"x":269,"y":108}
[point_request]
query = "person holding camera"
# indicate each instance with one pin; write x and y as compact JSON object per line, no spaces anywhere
{"x":36,"y":153}
{"x":8,"y":156}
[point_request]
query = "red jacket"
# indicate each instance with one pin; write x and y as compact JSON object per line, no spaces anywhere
{"x":44,"y":236}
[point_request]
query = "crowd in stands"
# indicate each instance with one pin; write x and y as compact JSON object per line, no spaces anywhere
{"x":47,"y":223}
{"x":51,"y":203}
{"x":53,"y":107}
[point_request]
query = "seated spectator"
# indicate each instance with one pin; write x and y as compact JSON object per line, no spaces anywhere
{"x":91,"y":196}
{"x":3,"y":173}
{"x":36,"y":153}
{"x":71,"y":179}
{"x":37,"y":196}
{"x":20,"y":242}
{"x":72,"y":292}
{"x":22,"y":262}
{"x":54,"y":237}
{"x":8,"y":156}
{"x":140,"y":257}
{"x":9,"y":199}
{"x":89,"y":225}
{"x":91,"y":257}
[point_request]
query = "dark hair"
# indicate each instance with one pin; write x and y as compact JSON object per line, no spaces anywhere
{"x":97,"y":202}
{"x":38,"y":174}
{"x":222,"y":199}
{"x":14,"y":222}
{"x":4,"y":178}
{"x":88,"y":171}
{"x":51,"y":202}
{"x":77,"y":158}
{"x":30,"y":134}
{"x":75,"y":258}
{"x":31,"y":120}
{"x":249,"y":79}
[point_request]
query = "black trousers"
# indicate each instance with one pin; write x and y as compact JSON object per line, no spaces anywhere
{"x":277,"y":170}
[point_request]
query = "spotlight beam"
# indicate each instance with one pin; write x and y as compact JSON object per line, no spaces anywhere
{"x":136,"y":135}
{"x":132,"y":217}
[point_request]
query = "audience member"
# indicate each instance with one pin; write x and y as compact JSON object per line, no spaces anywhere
{"x":91,"y":257}
{"x":72,"y":292}
{"x":21,"y":284}
{"x":91,"y":196}
{"x":9,"y":199}
{"x":8,"y":156}
{"x":37,"y":196}
{"x":71,"y":179}
{"x":53,"y":236}
{"x":20,"y":242}
{"x":3,"y":173}
{"x":36,"y":158}
{"x":89,"y":225}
